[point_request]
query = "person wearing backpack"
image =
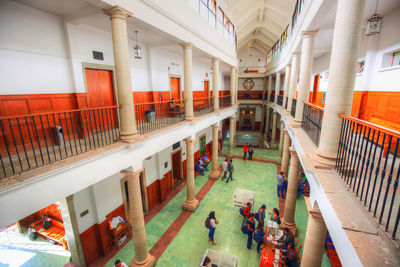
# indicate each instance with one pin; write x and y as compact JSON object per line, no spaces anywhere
{"x":211,"y":224}
{"x":259,"y":236}
{"x":260,"y":215}
{"x":230,"y":170}
{"x":251,"y":227}
{"x":251,"y":151}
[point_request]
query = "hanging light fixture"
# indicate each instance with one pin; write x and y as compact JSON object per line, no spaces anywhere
{"x":374,"y":23}
{"x":137,"y":48}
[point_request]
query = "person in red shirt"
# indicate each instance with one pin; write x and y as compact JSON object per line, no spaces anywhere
{"x":246,"y":212}
{"x":244,"y":151}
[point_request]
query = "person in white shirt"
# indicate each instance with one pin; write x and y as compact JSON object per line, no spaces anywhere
{"x":224,"y":168}
{"x":118,"y":263}
{"x":213,"y":225}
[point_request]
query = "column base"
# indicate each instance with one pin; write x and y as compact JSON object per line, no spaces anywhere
{"x":190,"y":205}
{"x":274,"y":145}
{"x":291,"y":226}
{"x":279,"y":159}
{"x":230,"y":154}
{"x":130,"y":138}
{"x":190,"y":118}
{"x":296,"y":124}
{"x":149,"y":262}
{"x":214,"y":175}
{"x":322,"y":161}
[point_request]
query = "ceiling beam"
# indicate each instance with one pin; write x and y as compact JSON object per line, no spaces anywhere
{"x":261,"y":14}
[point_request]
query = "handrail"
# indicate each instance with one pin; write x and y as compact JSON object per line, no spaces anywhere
{"x":372,"y":125}
{"x":53,"y":112}
{"x":201,"y":98}
{"x":313,"y":105}
{"x":161,"y":102}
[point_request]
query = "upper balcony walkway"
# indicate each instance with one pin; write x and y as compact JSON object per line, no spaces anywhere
{"x":34,"y":159}
{"x":366,"y":165}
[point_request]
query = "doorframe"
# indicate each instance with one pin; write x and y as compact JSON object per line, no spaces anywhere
{"x":207,"y":80}
{"x":95,"y":66}
{"x":179,"y":150}
{"x":205,"y":138}
{"x":143,"y":185}
{"x":180,"y":84}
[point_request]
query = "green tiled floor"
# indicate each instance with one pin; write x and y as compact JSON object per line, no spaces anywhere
{"x":259,"y":153}
{"x":191,"y":242}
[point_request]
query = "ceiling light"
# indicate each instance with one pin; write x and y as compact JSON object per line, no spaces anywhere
{"x":374,"y":23}
{"x":137,"y":48}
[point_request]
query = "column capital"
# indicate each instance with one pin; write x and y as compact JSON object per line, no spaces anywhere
{"x":187,"y":45}
{"x":309,"y":34}
{"x":190,"y":140}
{"x":215,"y":126}
{"x":130,"y":173}
{"x":316,"y":215}
{"x":293,"y":153}
{"x":118,"y":12}
{"x":216,"y":60}
{"x":232,"y":117}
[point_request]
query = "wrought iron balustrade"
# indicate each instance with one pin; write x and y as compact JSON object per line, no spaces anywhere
{"x":30,"y":141}
{"x":293,"y":110}
{"x":225,"y":101}
{"x":280,"y":100}
{"x":368,"y":162}
{"x":203,"y":105}
{"x":312,"y":121}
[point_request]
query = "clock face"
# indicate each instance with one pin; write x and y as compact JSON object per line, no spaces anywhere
{"x":248,"y":84}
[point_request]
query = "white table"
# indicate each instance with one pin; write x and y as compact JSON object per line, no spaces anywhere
{"x":219,"y":259}
{"x":242,"y":196}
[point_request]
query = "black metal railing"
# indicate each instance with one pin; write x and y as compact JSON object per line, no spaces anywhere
{"x":286,"y":102}
{"x":225,"y":101}
{"x":35,"y":140}
{"x":368,"y":162}
{"x":203,"y":105}
{"x":280,"y":100}
{"x":157,"y":115}
{"x":293,"y":110}
{"x":312,"y":121}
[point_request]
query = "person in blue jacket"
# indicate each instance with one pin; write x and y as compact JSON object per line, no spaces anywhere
{"x":260,"y":215}
{"x":251,"y":227}
{"x":259,"y":236}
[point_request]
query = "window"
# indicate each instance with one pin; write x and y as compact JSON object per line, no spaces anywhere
{"x":395,"y":59}
{"x":360,"y":67}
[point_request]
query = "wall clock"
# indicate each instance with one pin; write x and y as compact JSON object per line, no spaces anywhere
{"x":248,"y":84}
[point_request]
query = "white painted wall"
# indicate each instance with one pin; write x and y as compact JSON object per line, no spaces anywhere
{"x":32,"y":51}
{"x":252,"y":59}
{"x":84,"y":200}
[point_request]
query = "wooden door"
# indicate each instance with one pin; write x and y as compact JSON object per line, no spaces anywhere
{"x":203,"y":148}
{"x":175,"y":90}
{"x":177,"y":165}
{"x":101,"y":94}
{"x":315,"y":89}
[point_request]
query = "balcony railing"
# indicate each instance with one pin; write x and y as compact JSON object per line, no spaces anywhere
{"x":225,"y":101}
{"x":293,"y":110}
{"x":157,"y":115}
{"x":31,"y":141}
{"x":203,"y":105}
{"x":368,"y":162}
{"x":312,"y":121}
{"x":280,"y":100}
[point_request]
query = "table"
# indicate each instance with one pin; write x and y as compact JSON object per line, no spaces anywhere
{"x":219,"y":259}
{"x":269,"y":255}
{"x":242,"y":196}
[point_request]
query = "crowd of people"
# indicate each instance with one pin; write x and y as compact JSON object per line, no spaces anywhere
{"x":201,"y":165}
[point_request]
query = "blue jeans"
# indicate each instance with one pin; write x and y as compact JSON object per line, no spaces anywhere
{"x":281,"y":189}
{"x":259,"y":244}
{"x":250,"y":156}
{"x":249,"y":239}
{"x":229,"y":177}
{"x":244,"y":156}
{"x":211,"y":233}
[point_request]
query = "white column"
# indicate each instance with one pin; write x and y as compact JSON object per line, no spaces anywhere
{"x":294,"y":71}
{"x":232,"y":125}
{"x":307,"y":52}
{"x":233,"y":82}
{"x":216,"y":82}
{"x":342,"y":74}
{"x":286,"y":85}
{"x":191,"y":203}
{"x":236,"y":87}
{"x":122,"y":59}
{"x":269,"y":88}
{"x":142,"y":257}
{"x":214,"y":174}
{"x":188,"y":83}
{"x":277,"y":86}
